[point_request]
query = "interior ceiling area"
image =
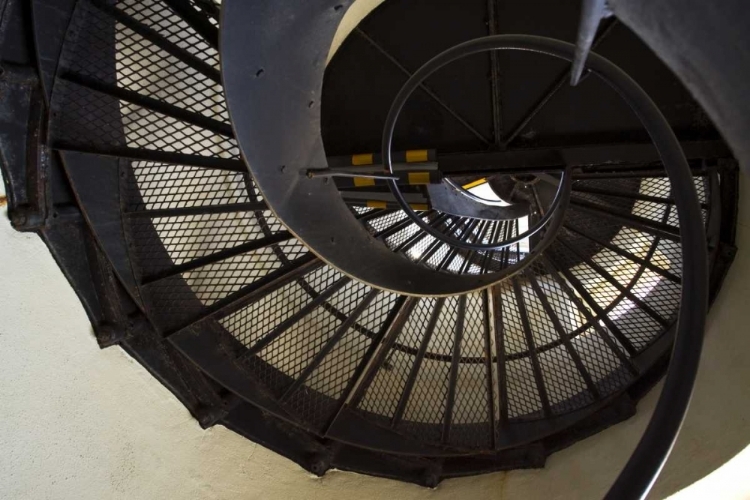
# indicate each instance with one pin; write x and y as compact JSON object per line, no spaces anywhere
{"x":455,"y":113}
{"x":505,"y":290}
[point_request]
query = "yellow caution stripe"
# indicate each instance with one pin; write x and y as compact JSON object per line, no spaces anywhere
{"x":363,"y":159}
{"x":474,"y":184}
{"x":417,"y":156}
{"x":370,"y":159}
{"x":363,"y":182}
{"x":419,"y":178}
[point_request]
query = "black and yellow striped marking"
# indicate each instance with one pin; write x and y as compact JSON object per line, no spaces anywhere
{"x":368,"y":159}
{"x":418,"y":156}
{"x":419,"y":178}
{"x":404,"y":179}
{"x":358,"y":181}
{"x":363,"y":159}
{"x":474,"y":184}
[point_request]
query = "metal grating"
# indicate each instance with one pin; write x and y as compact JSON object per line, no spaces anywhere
{"x":380,"y":223}
{"x":386,"y":388}
{"x":428,"y":397}
{"x":295,"y":348}
{"x":192,"y":236}
{"x":523,"y":394}
{"x":140,"y":65}
{"x":601,"y":362}
{"x":564,"y":383}
{"x":253,"y":322}
{"x":86,"y":119}
{"x":161,"y":19}
{"x":153,"y":186}
{"x":470,"y":424}
{"x":640,"y":328}
{"x":316,"y":401}
{"x":173,"y":302}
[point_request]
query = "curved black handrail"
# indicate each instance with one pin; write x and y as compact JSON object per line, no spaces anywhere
{"x":389,"y":128}
{"x":652,"y":451}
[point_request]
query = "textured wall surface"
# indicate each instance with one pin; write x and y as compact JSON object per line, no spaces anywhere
{"x":77,"y":422}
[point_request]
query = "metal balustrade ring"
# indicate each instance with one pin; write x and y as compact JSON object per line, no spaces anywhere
{"x":657,"y":442}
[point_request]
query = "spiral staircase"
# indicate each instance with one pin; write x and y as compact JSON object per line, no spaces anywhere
{"x":509,"y":286}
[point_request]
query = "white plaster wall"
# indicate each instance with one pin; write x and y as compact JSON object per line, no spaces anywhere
{"x":80,"y":423}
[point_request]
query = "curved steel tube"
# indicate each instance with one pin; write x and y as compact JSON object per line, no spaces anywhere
{"x":652,"y":451}
{"x":473,"y":196}
{"x":448,"y":198}
{"x":412,"y":84}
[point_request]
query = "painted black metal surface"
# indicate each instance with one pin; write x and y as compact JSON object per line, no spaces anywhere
{"x":715,"y":69}
{"x":273,"y":78}
{"x":588,"y":115}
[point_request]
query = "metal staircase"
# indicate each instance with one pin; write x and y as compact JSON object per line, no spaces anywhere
{"x":534,"y":306}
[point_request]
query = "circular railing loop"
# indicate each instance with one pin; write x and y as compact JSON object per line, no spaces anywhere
{"x":655,"y":445}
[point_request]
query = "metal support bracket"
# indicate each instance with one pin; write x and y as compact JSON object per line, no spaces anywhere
{"x":592,"y":13}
